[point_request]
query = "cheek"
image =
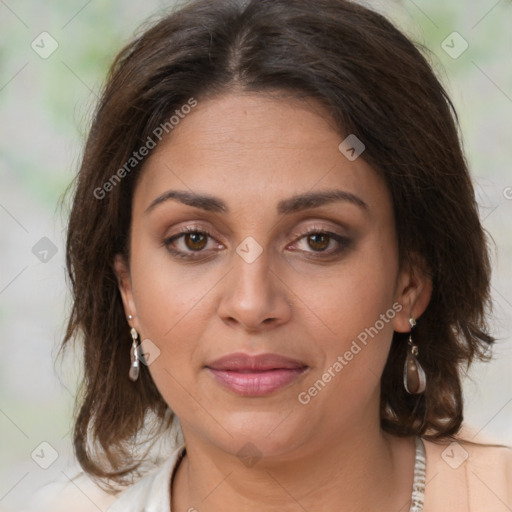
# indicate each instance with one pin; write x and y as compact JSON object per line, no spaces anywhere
{"x":172,"y":307}
{"x":164,"y":291}
{"x":338,"y":309}
{"x":357,"y":308}
{"x":352,"y":297}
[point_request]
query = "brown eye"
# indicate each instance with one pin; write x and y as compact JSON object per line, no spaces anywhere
{"x":190,"y":243}
{"x":197,"y":240}
{"x":316,"y":242}
{"x":319,"y":241}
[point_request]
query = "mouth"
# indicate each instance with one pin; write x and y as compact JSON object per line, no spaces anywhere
{"x":258,"y":375}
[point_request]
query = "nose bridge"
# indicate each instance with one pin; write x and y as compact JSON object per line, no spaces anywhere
{"x":253,"y":294}
{"x":252,"y":274}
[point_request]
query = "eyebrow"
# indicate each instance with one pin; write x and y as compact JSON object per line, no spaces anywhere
{"x":287,"y":206}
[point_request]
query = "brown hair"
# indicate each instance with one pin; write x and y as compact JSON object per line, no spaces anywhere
{"x":376,"y":84}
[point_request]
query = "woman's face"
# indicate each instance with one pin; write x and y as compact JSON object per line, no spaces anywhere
{"x":252,"y":170}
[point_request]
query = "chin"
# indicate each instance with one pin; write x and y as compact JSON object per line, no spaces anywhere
{"x":266,"y":433}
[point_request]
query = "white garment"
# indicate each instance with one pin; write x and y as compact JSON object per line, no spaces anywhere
{"x":82,"y":494}
{"x":460,"y":477}
{"x":152,"y":493}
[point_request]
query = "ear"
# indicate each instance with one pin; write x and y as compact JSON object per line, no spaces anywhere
{"x":413,"y":292}
{"x":124,"y":283}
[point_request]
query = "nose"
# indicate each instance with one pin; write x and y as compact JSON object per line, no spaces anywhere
{"x":254,"y":296}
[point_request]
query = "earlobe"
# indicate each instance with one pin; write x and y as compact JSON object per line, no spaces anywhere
{"x":414,"y":291}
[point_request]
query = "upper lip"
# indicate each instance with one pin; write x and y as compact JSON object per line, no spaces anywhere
{"x":262,"y":362}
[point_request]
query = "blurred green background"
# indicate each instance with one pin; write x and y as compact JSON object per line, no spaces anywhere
{"x":46,"y":103}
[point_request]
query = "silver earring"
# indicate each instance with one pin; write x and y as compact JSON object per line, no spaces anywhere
{"x":415,"y":380}
{"x":134,"y":367}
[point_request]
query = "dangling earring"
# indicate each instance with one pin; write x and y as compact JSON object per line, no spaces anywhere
{"x":415,"y":380}
{"x":134,"y":368}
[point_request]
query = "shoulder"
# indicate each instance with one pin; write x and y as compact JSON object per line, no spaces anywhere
{"x":81,"y":493}
{"x":151,"y":492}
{"x":462,"y":471}
{"x":78,"y":493}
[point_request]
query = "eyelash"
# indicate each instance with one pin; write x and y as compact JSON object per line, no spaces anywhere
{"x":342,"y":240}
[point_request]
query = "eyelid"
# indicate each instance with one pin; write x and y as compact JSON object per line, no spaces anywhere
{"x":342,"y":240}
{"x":186,"y":230}
{"x":296,"y":233}
{"x":315,"y":228}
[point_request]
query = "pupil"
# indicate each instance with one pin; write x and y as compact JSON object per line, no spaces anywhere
{"x":195,"y":238}
{"x":316,"y":242}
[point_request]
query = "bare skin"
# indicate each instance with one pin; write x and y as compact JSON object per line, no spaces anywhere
{"x":303,"y":297}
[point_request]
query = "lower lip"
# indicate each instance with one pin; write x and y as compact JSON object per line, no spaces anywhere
{"x":257,"y":383}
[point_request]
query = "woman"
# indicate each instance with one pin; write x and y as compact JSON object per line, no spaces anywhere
{"x":274,"y":240}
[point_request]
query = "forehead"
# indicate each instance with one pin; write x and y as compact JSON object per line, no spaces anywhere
{"x":255,"y":148}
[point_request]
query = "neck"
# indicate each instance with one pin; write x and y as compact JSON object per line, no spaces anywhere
{"x":357,"y":471}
